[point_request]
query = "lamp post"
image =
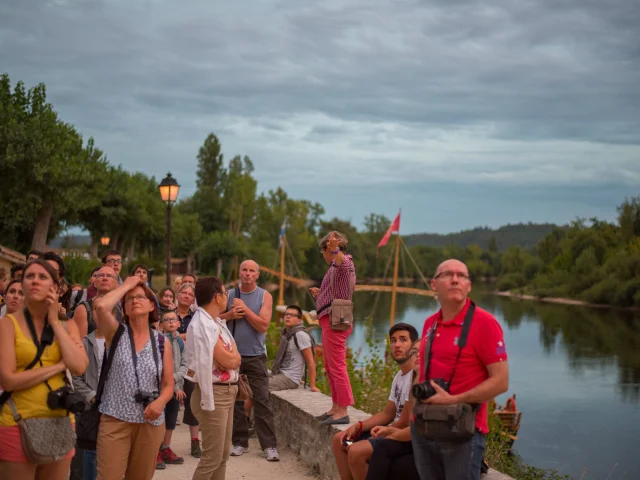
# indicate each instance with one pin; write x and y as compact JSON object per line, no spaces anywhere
{"x":104,"y":241}
{"x":169,"y":189}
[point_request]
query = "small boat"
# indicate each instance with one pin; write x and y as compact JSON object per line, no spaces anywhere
{"x":509,"y":418}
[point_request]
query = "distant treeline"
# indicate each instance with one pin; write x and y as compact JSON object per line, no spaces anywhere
{"x":525,"y":235}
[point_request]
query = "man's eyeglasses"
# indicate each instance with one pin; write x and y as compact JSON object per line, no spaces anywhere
{"x":288,"y":314}
{"x":139,"y":298}
{"x":105,"y":275}
{"x":114,"y":261}
{"x":448,"y":274}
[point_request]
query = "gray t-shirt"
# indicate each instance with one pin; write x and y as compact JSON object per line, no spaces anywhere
{"x":293,"y":361}
{"x":400,"y":389}
{"x":250,"y":342}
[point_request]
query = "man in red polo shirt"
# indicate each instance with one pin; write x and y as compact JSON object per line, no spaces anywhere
{"x":481,"y":373}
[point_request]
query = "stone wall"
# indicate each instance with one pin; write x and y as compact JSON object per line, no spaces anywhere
{"x":298,"y":430}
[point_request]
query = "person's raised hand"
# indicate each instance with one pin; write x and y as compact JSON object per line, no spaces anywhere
{"x":314,"y":291}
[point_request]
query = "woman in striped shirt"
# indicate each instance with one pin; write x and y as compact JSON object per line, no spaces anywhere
{"x":334,"y":342}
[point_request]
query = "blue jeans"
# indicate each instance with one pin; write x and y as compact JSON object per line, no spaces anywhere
{"x":89,"y":468}
{"x":448,"y":460}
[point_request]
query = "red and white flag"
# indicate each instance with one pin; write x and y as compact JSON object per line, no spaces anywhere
{"x":395,"y":227}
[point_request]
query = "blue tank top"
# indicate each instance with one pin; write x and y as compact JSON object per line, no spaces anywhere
{"x":250,"y":342}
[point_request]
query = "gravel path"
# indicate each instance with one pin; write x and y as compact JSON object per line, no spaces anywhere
{"x":251,"y":465}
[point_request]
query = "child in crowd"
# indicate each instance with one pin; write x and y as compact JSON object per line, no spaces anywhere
{"x":169,"y":324}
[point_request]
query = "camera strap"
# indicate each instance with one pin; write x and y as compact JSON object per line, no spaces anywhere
{"x":48,"y":339}
{"x":462,"y":341}
{"x":107,"y":359}
{"x":134,"y":355}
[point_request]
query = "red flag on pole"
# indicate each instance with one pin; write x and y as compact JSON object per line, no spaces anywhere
{"x":395,"y":227}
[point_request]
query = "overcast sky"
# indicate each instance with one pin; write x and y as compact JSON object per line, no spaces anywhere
{"x":461,"y":113}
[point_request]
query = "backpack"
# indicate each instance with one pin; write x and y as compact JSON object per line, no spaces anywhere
{"x":313,"y":351}
{"x":180,"y":344}
{"x":91,"y":324}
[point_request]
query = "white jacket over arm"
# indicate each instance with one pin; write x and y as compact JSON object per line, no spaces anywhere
{"x":202,"y":335}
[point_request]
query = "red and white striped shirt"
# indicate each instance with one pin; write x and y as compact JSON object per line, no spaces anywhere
{"x":344,"y":282}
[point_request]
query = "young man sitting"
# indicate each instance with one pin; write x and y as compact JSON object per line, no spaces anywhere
{"x":353,"y":447}
{"x":294,"y":351}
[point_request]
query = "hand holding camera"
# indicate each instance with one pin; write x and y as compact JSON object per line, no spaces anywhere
{"x":434,"y":392}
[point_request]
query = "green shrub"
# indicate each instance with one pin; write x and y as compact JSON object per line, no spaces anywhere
{"x":511,"y":281}
{"x":78,"y":269}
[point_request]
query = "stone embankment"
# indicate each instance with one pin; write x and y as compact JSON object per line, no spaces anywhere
{"x":304,"y":445}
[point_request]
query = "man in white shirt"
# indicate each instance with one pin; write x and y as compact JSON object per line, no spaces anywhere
{"x":353,"y":447}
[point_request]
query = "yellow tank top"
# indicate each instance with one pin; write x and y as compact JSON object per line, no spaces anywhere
{"x":32,"y":402}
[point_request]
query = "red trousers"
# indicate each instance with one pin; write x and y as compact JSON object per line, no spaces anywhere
{"x":334,"y":345}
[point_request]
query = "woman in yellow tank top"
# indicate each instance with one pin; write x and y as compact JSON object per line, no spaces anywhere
{"x":17,"y":350}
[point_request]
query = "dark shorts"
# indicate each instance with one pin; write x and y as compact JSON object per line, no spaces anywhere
{"x":367,"y":436}
{"x":171,"y":410}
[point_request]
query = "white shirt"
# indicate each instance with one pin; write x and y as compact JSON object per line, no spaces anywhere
{"x":202,"y":335}
{"x":400,"y":389}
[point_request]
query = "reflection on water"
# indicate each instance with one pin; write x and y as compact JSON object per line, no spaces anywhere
{"x":575,"y":370}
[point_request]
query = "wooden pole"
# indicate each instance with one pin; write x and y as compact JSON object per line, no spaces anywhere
{"x":395,"y":282}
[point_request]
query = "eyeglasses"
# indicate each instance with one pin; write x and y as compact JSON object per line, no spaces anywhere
{"x":135,"y":297}
{"x":105,"y":275}
{"x":292,"y":315}
{"x":169,"y":320}
{"x":448,"y":274}
{"x":113,"y":261}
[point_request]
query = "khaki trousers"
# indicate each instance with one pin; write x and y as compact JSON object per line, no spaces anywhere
{"x":127,"y":449}
{"x":216,"y":428}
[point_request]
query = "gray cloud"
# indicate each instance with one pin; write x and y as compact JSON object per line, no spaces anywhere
{"x":505,"y":92}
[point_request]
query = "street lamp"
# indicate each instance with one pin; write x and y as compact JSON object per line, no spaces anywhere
{"x":169,"y":189}
{"x":104,"y":241}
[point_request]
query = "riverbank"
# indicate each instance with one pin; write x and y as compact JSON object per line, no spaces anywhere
{"x":560,"y":301}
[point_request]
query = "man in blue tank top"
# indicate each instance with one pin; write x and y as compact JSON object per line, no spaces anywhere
{"x":248,"y":316}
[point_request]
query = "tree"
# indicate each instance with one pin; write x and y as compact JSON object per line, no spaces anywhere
{"x":48,"y":173}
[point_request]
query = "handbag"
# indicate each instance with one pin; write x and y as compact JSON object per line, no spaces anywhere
{"x":244,"y":390}
{"x":44,"y":440}
{"x":450,"y":423}
{"x":341,"y":317}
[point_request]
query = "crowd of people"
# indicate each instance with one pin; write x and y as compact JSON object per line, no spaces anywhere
{"x":94,"y":378}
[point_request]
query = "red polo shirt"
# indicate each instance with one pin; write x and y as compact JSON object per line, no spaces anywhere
{"x":485,"y":345}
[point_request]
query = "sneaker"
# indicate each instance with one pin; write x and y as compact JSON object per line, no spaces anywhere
{"x":160,"y":465}
{"x":238,"y":450}
{"x":196,"y":451}
{"x":272,"y":454}
{"x":171,"y":458}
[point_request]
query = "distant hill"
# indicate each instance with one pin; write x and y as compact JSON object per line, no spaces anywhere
{"x":70,"y":241}
{"x":525,"y":235}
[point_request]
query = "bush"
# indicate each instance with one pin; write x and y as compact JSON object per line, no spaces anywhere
{"x":511,"y":281}
{"x":78,"y":269}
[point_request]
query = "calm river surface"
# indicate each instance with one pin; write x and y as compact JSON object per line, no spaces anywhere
{"x":575,"y":371}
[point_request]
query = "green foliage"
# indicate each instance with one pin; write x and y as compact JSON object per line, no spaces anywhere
{"x":523,"y":235}
{"x":78,"y":269}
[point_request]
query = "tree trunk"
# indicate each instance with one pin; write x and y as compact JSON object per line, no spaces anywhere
{"x":114,"y":241}
{"x":41,"y":231}
{"x":93,"y":249}
{"x":131,"y":252}
{"x":219,"y":269}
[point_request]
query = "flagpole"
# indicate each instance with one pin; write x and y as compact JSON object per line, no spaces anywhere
{"x":395,"y":282}
{"x":281,"y":292}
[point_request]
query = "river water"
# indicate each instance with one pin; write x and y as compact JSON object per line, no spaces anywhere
{"x":575,"y":371}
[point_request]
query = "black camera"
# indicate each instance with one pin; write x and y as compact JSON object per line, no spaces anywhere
{"x":145,"y":398}
{"x":66,"y":399}
{"x":425,"y":390}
